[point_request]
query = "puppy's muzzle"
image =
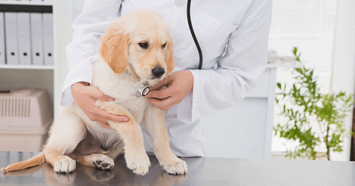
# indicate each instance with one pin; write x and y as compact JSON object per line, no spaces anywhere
{"x":158,"y":72}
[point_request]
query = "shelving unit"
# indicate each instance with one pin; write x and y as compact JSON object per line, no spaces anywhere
{"x":48,"y":77}
{"x":33,"y":67}
{"x":38,"y":76}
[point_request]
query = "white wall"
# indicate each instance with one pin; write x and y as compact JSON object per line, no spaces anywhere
{"x":65,"y":11}
{"x":62,"y":15}
{"x":344,"y":60}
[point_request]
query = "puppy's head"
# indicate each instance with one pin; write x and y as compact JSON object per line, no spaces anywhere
{"x":139,"y":42}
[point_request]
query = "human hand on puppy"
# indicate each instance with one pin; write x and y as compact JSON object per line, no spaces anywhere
{"x":85,"y":97}
{"x":178,"y":85}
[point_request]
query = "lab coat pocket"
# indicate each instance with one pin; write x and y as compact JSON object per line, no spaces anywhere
{"x":212,"y":35}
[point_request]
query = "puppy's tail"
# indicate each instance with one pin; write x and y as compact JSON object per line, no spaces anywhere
{"x":35,"y":160}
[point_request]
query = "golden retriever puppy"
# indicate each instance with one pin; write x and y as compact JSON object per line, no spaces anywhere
{"x":136,"y":49}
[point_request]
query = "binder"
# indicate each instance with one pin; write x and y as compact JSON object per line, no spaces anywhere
{"x":24,"y":38}
{"x":11,"y":38}
{"x":2,"y":39}
{"x":48,"y":38}
{"x":36,"y":38}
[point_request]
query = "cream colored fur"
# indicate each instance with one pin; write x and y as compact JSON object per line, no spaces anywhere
{"x":123,"y":65}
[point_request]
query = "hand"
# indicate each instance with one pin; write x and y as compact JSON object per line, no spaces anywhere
{"x":177,"y":84}
{"x":85,"y":97}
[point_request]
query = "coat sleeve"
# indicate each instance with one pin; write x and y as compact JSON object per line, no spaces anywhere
{"x":245,"y":59}
{"x":88,"y":27}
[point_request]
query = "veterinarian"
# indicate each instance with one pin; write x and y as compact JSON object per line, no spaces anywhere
{"x":233,"y":36}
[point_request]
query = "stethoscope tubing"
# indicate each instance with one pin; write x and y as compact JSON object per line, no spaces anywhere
{"x":193,"y":34}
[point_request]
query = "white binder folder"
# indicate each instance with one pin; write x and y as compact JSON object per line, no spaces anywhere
{"x":11,"y":38}
{"x":48,"y":38}
{"x":2,"y":39}
{"x":36,"y":38}
{"x":24,"y":38}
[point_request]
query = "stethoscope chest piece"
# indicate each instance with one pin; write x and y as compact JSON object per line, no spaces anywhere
{"x":142,"y":90}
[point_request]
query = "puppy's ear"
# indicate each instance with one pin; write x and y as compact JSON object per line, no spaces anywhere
{"x":170,"y":57}
{"x":114,"y":49}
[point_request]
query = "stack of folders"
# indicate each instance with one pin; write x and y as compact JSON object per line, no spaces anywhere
{"x":26,"y":38}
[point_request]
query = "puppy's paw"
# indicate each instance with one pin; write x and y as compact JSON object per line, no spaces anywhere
{"x":65,"y":165}
{"x":175,"y":167}
{"x":139,"y":163}
{"x":102,"y":162}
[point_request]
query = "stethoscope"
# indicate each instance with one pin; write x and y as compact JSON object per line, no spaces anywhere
{"x":143,"y":89}
{"x":193,"y":34}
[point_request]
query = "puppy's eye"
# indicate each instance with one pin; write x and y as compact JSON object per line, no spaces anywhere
{"x":164,"y":45}
{"x":143,"y":45}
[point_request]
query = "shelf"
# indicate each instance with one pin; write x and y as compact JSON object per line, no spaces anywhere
{"x":30,"y":67}
{"x":26,"y":3}
{"x":23,"y":6}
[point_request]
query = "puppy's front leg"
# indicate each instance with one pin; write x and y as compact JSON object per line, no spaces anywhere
{"x":131,"y":133}
{"x":156,"y":127}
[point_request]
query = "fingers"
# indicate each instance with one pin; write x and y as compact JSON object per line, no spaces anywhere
{"x":105,"y":125}
{"x":103,"y":97}
{"x":115,"y":118}
{"x":164,"y":104}
{"x":85,"y":96}
{"x":84,"y":89}
{"x":161,"y":94}
{"x":104,"y":116}
{"x":165,"y":82}
{"x":95,"y":93}
{"x":159,"y":85}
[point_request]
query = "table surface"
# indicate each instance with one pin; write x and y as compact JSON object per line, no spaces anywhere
{"x":202,"y":171}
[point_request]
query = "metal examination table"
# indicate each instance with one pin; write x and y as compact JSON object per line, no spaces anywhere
{"x":202,"y":172}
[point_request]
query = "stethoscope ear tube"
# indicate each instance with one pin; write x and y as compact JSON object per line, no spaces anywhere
{"x":193,"y":34}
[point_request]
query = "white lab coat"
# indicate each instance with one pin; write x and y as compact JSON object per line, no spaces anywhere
{"x":233,"y":35}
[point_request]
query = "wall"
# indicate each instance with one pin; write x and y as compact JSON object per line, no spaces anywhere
{"x":344,"y":60}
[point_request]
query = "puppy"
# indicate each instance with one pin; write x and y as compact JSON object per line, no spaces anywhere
{"x":136,"y":50}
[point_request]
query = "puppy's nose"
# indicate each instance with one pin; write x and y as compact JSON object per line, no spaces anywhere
{"x":158,"y":72}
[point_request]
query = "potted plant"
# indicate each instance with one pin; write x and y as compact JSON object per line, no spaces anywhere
{"x":304,"y":105}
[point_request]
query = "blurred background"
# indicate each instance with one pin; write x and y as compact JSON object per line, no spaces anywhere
{"x":322,"y":30}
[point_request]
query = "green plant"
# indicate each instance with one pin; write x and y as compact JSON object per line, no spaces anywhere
{"x":303,"y":104}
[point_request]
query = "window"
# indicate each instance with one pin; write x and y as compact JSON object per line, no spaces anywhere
{"x":310,"y":26}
